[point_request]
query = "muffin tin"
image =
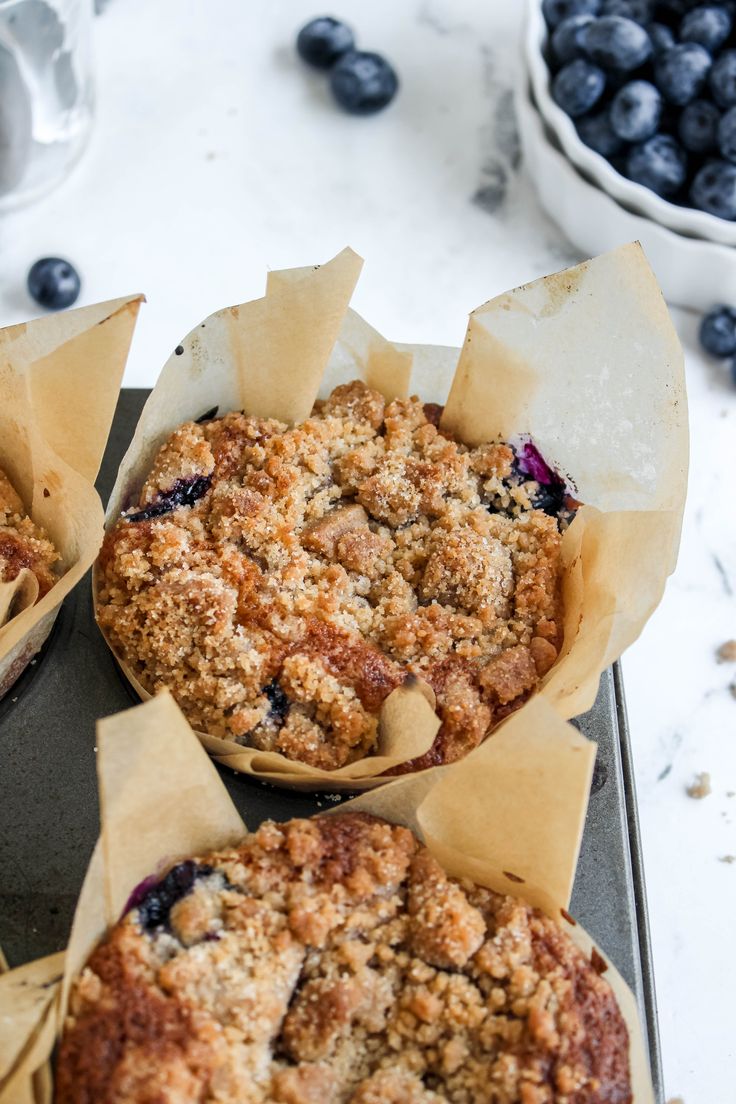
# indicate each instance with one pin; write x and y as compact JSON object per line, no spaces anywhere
{"x":48,"y":804}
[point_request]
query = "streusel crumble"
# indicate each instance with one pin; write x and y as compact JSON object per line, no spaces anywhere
{"x":22,"y":543}
{"x":281,"y":582}
{"x":332,"y":961}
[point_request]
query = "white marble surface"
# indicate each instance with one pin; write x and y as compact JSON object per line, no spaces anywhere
{"x":216,"y":155}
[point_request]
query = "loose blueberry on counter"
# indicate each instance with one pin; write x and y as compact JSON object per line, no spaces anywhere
{"x":698,"y":126}
{"x":578,"y":86}
{"x":718,"y":332}
{"x":714,"y":189}
{"x":727,"y":135}
{"x":597,"y":133}
{"x":155,"y":907}
{"x":616,"y":43}
{"x":661,"y":36}
{"x":185,"y":492}
{"x":54,"y":283}
{"x":363,"y":83}
{"x":709,"y":25}
{"x":322,"y":41}
{"x":659,"y":164}
{"x":722,"y":79}
{"x":681,"y":72}
{"x":555,"y":11}
{"x":635,"y":111}
{"x":566,"y":39}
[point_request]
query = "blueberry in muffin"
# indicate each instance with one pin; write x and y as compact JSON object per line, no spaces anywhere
{"x":281,"y":582}
{"x":23,"y":544}
{"x":333,"y":961}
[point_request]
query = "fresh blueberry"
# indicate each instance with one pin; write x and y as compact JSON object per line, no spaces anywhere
{"x":566,"y":44}
{"x":638,"y":10}
{"x":710,"y":26}
{"x":698,"y":126}
{"x":714,"y":189}
{"x":155,"y":907}
{"x":733,"y":372}
{"x":636,"y":111}
{"x":322,"y":41}
{"x":363,"y":83}
{"x":718,"y":332}
{"x":578,"y":87}
{"x":722,"y":79}
{"x":659,"y":164}
{"x":278,"y":701}
{"x":727,"y":135}
{"x":661,"y":36}
{"x":680,"y":73}
{"x":555,"y":11}
{"x":54,"y":283}
{"x":185,"y":492}
{"x":616,"y":43}
{"x":597,"y":133}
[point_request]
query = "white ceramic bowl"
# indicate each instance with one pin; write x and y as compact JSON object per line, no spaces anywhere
{"x":685,"y":220}
{"x":692,"y":272}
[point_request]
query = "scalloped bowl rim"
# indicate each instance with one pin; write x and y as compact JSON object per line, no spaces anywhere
{"x":693,"y":271}
{"x":685,"y":220}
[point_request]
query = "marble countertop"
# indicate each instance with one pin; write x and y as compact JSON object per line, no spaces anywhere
{"x":216,"y":156}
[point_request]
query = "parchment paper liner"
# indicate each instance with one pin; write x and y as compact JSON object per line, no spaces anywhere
{"x":59,"y":382}
{"x":586,"y":362}
{"x":515,"y":804}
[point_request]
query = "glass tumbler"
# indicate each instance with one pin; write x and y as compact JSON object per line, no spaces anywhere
{"x":46,"y":94}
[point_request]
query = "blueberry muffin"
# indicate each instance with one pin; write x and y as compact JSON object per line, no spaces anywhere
{"x":22,"y":543}
{"x":332,"y":961}
{"x":281,"y":582}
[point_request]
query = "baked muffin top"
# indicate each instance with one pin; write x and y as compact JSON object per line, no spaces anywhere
{"x":22,"y":542}
{"x":281,"y":582}
{"x":332,"y":960}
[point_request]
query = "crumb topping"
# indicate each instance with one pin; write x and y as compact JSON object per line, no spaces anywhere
{"x":332,"y":961}
{"x":327,"y":561}
{"x":23,"y":543}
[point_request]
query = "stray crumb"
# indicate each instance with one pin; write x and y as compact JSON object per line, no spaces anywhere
{"x":210,"y":155}
{"x":700,"y":786}
{"x":732,"y":688}
{"x":727,"y":652}
{"x":727,"y":858}
{"x":675,"y":1100}
{"x":730,"y":793}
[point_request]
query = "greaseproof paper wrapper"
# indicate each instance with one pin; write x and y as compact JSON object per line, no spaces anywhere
{"x":585,"y":362}
{"x":59,"y":382}
{"x":509,"y":816}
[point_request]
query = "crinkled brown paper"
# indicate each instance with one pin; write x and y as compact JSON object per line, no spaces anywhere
{"x":59,"y":382}
{"x":586,"y":362}
{"x":510,"y":816}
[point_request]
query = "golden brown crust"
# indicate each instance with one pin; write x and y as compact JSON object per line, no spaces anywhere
{"x":332,"y":961}
{"x":22,"y":543}
{"x":282,"y":582}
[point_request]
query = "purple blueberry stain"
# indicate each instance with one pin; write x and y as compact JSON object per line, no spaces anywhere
{"x":530,"y":461}
{"x":185,"y":492}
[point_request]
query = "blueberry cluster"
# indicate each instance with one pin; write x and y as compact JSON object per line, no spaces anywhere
{"x":361,"y":82}
{"x":718,"y":335}
{"x":651,"y":85}
{"x":155,"y":905}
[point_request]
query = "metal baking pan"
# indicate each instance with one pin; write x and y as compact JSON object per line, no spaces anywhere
{"x":48,"y":791}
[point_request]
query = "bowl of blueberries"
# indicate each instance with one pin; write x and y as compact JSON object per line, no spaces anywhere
{"x":641,"y":96}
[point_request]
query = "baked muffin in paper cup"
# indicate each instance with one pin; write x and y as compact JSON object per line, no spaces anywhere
{"x":508,"y":817}
{"x":59,"y":382}
{"x":581,"y":371}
